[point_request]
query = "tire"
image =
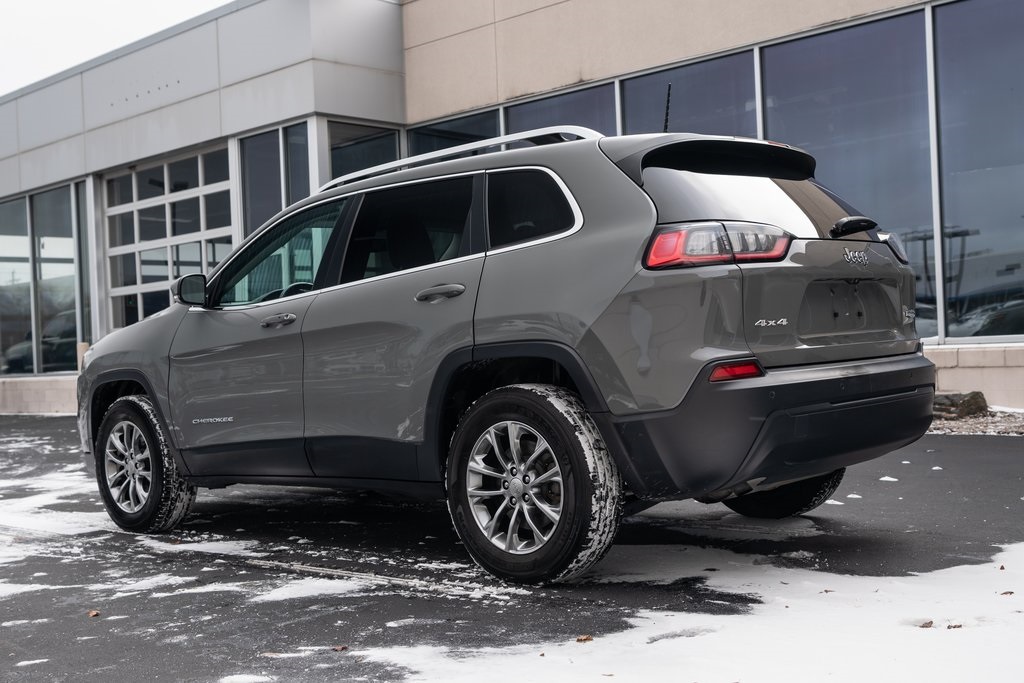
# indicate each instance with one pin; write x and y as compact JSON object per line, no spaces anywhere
{"x":788,"y":500}
{"x":554,"y":527}
{"x":139,"y":482}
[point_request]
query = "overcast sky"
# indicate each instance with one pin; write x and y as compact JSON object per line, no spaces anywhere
{"x":39,"y":38}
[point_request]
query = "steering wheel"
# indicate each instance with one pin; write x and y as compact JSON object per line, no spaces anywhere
{"x":296,"y":288}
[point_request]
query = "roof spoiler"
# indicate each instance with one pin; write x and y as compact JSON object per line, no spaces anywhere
{"x":700,"y":154}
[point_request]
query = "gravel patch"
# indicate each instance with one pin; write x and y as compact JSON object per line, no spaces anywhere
{"x":1000,"y":422}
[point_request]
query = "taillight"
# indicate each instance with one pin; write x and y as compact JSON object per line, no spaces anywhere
{"x":699,"y":244}
{"x":743,"y":369}
{"x":694,"y":244}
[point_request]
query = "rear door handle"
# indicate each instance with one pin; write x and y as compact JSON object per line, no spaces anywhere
{"x":279,"y":320}
{"x":437,"y":293}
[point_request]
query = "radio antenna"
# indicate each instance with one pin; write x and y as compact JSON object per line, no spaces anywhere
{"x":668,"y":105}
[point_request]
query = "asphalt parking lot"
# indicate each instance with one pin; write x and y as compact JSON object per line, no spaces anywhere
{"x":915,"y":566}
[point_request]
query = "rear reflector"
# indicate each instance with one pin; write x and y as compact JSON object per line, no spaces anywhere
{"x":706,"y":243}
{"x":738,"y":370}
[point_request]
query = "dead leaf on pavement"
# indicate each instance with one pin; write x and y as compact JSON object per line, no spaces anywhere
{"x":828,"y":590}
{"x":584,"y":639}
{"x":93,"y":613}
{"x":340,"y":648}
{"x":1007,"y":593}
{"x":952,"y":626}
{"x":927,"y":624}
{"x":1002,"y":568}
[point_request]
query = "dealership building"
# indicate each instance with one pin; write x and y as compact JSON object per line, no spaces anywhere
{"x":123,"y":173}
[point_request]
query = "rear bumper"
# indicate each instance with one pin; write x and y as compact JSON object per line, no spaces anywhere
{"x":728,"y":438}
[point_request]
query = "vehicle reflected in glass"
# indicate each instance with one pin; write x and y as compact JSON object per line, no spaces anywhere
{"x":59,"y":345}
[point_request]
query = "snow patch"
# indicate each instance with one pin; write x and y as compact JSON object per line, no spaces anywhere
{"x":888,"y":479}
{"x":310,"y":587}
{"x":131,"y":586}
{"x":854,"y":495}
{"x":30,"y":662}
{"x":975,"y":616}
{"x":237,"y":548}
{"x":9,"y":589}
{"x":245,"y":678}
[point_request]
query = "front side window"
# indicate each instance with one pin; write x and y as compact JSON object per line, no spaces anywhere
{"x":409,"y":226}
{"x":525,"y":205}
{"x":284,"y":261}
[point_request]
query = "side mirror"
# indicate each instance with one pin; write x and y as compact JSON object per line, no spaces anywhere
{"x":190,"y":290}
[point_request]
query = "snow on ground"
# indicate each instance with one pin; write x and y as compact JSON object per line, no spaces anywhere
{"x":310,"y":587}
{"x":237,"y":548}
{"x":955,"y":624}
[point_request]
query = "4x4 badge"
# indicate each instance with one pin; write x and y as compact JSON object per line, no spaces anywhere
{"x":859,"y":258}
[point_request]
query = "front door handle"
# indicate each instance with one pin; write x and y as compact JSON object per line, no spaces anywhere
{"x":432,"y":295}
{"x":278,"y":321}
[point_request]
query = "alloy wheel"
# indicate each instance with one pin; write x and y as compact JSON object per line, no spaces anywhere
{"x":514,"y":486}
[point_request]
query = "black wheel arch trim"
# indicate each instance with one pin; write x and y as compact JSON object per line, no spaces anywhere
{"x":111,"y":376}
{"x":428,"y":457}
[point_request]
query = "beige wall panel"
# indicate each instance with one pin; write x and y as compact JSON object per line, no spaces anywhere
{"x":50,"y":114}
{"x":359,"y":32}
{"x":505,"y":9}
{"x":543,"y":44}
{"x":1002,"y":387}
{"x":429,"y":20}
{"x":609,"y":37}
{"x":8,"y":129}
{"x":354,"y":91}
{"x":58,"y":161}
{"x":263,"y":38}
{"x":451,"y":75}
{"x":10,"y":177}
{"x":276,"y":96}
{"x":179,"y":125}
{"x":172,"y":70}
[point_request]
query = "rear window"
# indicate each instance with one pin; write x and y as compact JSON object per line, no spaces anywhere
{"x":801,"y":207}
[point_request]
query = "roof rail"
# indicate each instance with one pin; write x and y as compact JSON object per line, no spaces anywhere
{"x":539,"y":136}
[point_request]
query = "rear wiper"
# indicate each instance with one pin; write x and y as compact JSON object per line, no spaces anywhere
{"x":851,"y":224}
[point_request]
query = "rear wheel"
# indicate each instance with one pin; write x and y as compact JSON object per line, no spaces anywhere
{"x":789,"y":500}
{"x":532,"y":490}
{"x":139,"y":482}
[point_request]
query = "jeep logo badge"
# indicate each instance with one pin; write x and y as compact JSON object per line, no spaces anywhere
{"x":859,"y":258}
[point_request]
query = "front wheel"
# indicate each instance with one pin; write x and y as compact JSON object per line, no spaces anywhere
{"x":532,"y":490}
{"x":139,"y":482}
{"x":788,"y":500}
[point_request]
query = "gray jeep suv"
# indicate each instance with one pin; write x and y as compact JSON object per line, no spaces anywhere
{"x":546,"y":335}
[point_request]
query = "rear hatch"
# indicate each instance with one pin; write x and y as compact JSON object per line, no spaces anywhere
{"x":828,"y":287}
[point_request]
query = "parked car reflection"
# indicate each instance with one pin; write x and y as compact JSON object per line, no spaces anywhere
{"x":58,"y":345}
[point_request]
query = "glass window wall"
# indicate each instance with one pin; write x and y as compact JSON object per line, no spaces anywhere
{"x":715,"y":97}
{"x":172,"y":231}
{"x":455,"y":132}
{"x":55,"y":284}
{"x":979,"y":51}
{"x":592,"y":108}
{"x":17,"y":355}
{"x":857,"y":99}
{"x":355,"y":147}
{"x":261,"y":178}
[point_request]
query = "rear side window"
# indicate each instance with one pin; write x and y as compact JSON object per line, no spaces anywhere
{"x":408,"y":227}
{"x":525,"y":205}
